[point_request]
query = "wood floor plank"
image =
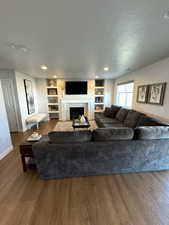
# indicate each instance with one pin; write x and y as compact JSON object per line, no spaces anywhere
{"x":122,"y":199}
{"x":151,"y":211}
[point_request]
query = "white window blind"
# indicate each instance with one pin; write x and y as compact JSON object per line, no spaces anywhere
{"x":125,"y":94}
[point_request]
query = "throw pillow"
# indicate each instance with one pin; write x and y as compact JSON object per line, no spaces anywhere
{"x":107,"y":112}
{"x":121,"y":114}
{"x":114,"y":110}
{"x":132,"y":119}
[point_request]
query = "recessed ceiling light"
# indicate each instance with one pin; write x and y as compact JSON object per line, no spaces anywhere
{"x":43,"y":67}
{"x":106,"y":68}
{"x":54,"y":76}
{"x":166,"y":14}
{"x":96,"y":77}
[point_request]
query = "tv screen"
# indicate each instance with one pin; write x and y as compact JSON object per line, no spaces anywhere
{"x":76,"y":87}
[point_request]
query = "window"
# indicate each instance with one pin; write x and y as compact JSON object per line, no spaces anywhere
{"x":125,"y":94}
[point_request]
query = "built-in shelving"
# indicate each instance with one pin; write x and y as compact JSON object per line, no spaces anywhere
{"x":52,"y":95}
{"x":99,"y":96}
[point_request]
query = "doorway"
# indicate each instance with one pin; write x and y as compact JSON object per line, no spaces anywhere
{"x":10,"y":104}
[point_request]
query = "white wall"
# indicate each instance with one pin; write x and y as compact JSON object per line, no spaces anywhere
{"x":157,"y":72}
{"x":109,"y":92}
{"x":42,"y":102}
{"x":5,"y":139}
{"x":20,"y":77}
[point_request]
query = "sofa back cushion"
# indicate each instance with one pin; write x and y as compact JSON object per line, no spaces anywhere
{"x":59,"y":137}
{"x":121,"y":114}
{"x":108,"y":112}
{"x":113,"y":134}
{"x":151,"y":133}
{"x":114,"y":110}
{"x":148,"y":121}
{"x":132,"y":118}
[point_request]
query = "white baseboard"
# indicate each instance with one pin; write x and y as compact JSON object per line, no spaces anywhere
{"x":6,"y":152}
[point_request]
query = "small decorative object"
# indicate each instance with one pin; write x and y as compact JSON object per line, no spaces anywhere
{"x":98,"y":107}
{"x":29,"y":96}
{"x":34,"y":137}
{"x":156,"y":93}
{"x":82,"y":119}
{"x":85,"y":114}
{"x":52,"y":83}
{"x":142,"y":94}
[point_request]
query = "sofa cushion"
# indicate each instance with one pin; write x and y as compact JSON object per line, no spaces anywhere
{"x":108,"y":112}
{"x":121,"y":114}
{"x":151,"y":133}
{"x":148,"y":121}
{"x":113,"y":134}
{"x":108,"y":120}
{"x":114,"y":109}
{"x":58,"y":137}
{"x":132,"y":119}
{"x":99,"y":115}
{"x":111,"y":125}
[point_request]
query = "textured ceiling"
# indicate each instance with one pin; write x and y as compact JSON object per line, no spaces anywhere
{"x":77,"y":38}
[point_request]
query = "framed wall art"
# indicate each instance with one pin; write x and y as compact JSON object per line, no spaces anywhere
{"x":156,"y":93}
{"x":29,"y":96}
{"x":142,"y":94}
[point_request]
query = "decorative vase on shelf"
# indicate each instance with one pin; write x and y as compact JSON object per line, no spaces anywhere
{"x":82,"y":119}
{"x":52,"y":83}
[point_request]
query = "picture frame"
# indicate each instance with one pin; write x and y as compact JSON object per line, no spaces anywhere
{"x":156,"y":93}
{"x":29,"y":96}
{"x":142,"y":93}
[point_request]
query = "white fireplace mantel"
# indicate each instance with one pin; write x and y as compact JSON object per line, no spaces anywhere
{"x":76,"y":101}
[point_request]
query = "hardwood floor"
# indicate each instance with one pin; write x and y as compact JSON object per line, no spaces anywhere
{"x":128,"y":199}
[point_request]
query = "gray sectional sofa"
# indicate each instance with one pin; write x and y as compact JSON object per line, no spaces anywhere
{"x":127,"y":141}
{"x":120,"y":117}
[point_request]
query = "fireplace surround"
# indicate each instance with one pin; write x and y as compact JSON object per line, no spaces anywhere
{"x":77,"y":101}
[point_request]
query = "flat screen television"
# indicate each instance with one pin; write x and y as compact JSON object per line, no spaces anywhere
{"x":76,"y":87}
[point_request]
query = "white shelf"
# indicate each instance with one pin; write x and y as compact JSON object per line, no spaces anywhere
{"x":99,"y":110}
{"x":53,"y":104}
{"x":53,"y":111}
{"x":51,"y":87}
{"x":99,"y":95}
{"x":102,"y":87}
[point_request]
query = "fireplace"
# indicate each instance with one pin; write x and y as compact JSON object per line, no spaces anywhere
{"x":76,"y":102}
{"x":75,"y":112}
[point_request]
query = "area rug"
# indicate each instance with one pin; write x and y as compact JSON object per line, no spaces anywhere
{"x":67,"y":126}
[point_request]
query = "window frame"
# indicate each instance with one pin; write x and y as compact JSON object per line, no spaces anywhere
{"x":125,"y":92}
